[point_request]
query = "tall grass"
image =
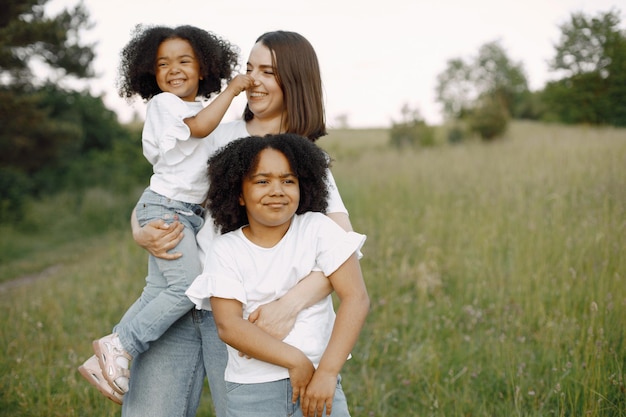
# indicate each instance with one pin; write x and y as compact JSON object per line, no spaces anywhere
{"x":496,"y":272}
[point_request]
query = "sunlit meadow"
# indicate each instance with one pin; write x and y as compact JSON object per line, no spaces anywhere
{"x":497,"y":275}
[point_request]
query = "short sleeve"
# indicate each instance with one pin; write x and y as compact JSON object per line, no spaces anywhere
{"x":219,"y":279}
{"x":334,"y":245}
{"x":165,"y":134}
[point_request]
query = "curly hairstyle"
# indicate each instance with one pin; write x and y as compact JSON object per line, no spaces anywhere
{"x":298,"y":74}
{"x":218,"y":60}
{"x":235,"y":161}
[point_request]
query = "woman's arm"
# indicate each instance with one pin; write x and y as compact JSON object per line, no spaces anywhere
{"x":342,"y":219}
{"x":278,"y":317}
{"x":157,"y":237}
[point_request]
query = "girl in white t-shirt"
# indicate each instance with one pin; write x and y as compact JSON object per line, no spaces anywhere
{"x":268,"y":196}
{"x":171,"y":67}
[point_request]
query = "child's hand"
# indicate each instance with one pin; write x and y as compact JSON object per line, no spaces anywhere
{"x":300,"y":376}
{"x":319,"y":393}
{"x":240,"y":83}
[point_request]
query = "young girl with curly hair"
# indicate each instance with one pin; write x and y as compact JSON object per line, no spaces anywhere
{"x":268,"y":195}
{"x":172,"y":68}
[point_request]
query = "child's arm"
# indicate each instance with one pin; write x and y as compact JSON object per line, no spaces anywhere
{"x":209,"y":117}
{"x":349,"y":286}
{"x":249,"y":339}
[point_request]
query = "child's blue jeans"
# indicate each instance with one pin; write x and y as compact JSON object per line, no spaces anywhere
{"x":163,"y":300}
{"x":273,"y":399}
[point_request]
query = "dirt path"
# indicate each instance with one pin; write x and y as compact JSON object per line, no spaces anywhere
{"x":28,"y":279}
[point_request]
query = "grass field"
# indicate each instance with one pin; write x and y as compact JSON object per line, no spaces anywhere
{"x":497,"y":274}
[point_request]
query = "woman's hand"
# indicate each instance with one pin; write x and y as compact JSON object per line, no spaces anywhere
{"x":276,"y":318}
{"x":158,"y":237}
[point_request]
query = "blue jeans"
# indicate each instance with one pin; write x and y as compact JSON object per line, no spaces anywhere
{"x":167,"y":379}
{"x":163,"y":300}
{"x":273,"y":399}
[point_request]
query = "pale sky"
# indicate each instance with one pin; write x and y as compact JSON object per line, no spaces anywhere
{"x":375,"y":56}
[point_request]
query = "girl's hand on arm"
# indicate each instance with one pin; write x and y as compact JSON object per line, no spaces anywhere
{"x":157,"y":237}
{"x":278,"y":317}
{"x":319,"y":393}
{"x":299,"y":378}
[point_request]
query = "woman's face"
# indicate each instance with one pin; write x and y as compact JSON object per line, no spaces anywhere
{"x":177,"y":69}
{"x":265,"y":100}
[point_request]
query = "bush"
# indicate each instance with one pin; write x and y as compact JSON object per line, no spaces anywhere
{"x":412,"y":134}
{"x":489,"y":119}
{"x":412,"y":131}
{"x":14,"y":191}
{"x":456,"y":134}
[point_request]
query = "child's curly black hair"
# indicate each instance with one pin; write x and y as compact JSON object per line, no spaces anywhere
{"x":231,"y":164}
{"x":218,"y":60}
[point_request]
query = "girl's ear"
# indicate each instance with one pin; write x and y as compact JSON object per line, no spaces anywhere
{"x":241,"y":202}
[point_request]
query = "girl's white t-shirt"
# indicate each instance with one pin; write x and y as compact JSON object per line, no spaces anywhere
{"x":239,"y":269}
{"x":178,"y":159}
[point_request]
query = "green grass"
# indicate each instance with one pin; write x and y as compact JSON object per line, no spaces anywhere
{"x":496,"y":272}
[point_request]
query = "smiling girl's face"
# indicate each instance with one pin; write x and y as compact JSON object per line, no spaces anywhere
{"x":177,"y":69}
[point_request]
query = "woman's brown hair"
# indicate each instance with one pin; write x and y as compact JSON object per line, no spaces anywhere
{"x":298,"y":74}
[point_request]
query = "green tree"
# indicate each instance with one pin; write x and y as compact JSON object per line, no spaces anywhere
{"x":490,"y":88}
{"x":27,"y":35}
{"x":30,"y":135}
{"x":591,"y":59}
{"x":496,"y":75}
{"x":583,"y":45}
{"x":455,"y":88}
{"x":53,"y":137}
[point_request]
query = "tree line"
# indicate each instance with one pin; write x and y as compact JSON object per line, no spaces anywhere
{"x":481,"y":94}
{"x":56,"y":137}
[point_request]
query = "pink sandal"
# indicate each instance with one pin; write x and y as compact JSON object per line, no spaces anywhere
{"x":110,"y":353}
{"x":92,"y":373}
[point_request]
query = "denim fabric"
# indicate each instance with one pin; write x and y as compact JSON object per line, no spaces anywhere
{"x":163,"y":299}
{"x":167,"y":379}
{"x":273,"y":399}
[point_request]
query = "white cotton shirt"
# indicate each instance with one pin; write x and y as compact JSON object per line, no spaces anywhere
{"x":220,"y":137}
{"x":254,"y":275}
{"x":179,"y":161}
